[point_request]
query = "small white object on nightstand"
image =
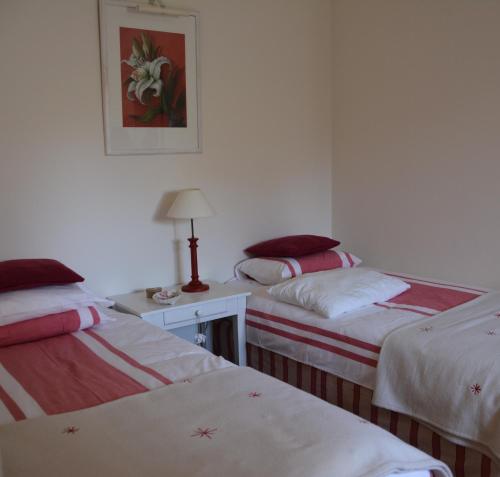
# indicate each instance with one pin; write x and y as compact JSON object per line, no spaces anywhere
{"x":220,"y":301}
{"x":166,"y":297}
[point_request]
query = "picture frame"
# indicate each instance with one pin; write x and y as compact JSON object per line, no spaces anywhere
{"x":150,"y":78}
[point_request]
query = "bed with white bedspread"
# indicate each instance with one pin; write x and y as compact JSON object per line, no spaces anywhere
{"x":311,"y":351}
{"x":125,"y":398}
{"x":348,"y":346}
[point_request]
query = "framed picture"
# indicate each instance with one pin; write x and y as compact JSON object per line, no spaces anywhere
{"x":149,"y":72}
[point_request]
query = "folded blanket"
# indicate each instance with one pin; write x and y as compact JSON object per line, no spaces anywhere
{"x":335,"y":292}
{"x":450,"y":373}
{"x":231,"y":422}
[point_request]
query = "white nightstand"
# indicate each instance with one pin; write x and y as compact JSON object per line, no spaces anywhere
{"x":221,"y":301}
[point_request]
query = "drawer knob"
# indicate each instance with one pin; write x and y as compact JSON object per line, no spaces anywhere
{"x":197,"y":313}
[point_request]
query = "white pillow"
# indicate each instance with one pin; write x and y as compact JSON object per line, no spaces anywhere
{"x":335,"y":292}
{"x":273,"y":270}
{"x":24,"y":305}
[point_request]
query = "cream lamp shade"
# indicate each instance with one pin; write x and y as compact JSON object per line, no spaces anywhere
{"x":190,"y":204}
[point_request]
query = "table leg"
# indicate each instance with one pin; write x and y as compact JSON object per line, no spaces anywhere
{"x":239,"y":333}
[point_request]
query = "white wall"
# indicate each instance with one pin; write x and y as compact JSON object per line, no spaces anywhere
{"x":416,"y":129}
{"x":266,"y":158}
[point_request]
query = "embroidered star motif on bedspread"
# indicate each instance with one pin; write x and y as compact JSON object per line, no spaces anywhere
{"x":475,"y":389}
{"x":207,"y":432}
{"x":426,"y":329}
{"x":491,"y":332}
{"x":254,"y":394}
{"x":70,"y":430}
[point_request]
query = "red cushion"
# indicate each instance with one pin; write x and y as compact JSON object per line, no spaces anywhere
{"x":292,"y":246}
{"x":33,"y":273}
{"x":49,"y":326}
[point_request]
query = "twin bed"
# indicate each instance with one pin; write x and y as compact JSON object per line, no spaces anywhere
{"x":422,"y":365}
{"x":89,"y":391}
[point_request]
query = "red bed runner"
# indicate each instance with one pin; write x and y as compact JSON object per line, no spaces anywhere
{"x":435,"y":296}
{"x":68,"y":373}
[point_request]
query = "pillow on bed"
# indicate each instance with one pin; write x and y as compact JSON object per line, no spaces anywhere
{"x":31,"y":273}
{"x":336,"y":292}
{"x":273,"y":270}
{"x":292,"y":246}
{"x":26,"y":304}
{"x":50,"y":325}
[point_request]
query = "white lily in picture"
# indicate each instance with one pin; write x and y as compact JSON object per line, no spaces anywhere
{"x":146,"y":75}
{"x":145,"y":80}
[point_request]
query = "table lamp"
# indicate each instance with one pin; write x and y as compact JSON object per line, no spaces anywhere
{"x":191,"y":204}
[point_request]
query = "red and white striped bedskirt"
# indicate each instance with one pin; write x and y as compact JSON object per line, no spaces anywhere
{"x":464,"y":461}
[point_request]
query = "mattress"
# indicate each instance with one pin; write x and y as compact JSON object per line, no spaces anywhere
{"x":347,"y":346}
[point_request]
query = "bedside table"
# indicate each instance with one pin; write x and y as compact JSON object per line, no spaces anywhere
{"x":220,"y":301}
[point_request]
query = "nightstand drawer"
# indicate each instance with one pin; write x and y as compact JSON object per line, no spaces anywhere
{"x":199,"y":311}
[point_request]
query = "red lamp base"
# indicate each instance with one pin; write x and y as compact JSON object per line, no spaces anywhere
{"x":195,"y":287}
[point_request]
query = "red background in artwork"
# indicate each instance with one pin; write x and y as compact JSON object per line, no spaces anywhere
{"x":172,"y":46}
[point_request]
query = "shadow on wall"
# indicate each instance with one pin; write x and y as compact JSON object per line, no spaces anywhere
{"x":178,"y":244}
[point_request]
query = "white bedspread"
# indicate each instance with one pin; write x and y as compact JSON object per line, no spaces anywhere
{"x":450,"y":369}
{"x":231,"y":422}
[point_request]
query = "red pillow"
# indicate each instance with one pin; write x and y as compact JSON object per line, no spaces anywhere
{"x":50,"y":325}
{"x":292,"y":246}
{"x":33,"y":273}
